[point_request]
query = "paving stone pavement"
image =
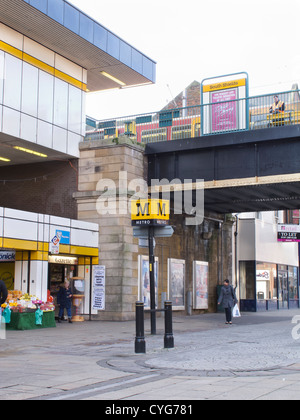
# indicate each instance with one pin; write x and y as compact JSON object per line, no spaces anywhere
{"x":258,"y":357}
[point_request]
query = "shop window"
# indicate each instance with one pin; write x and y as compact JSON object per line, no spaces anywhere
{"x":266,"y":281}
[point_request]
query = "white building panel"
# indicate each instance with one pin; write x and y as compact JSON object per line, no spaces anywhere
{"x":20,"y":229}
{"x":11,"y":37}
{"x":20,"y":215}
{"x":28,"y":128}
{"x":44,"y":134}
{"x":60,"y":139}
{"x":79,"y":224}
{"x":68,"y":67}
{"x":11,"y":122}
{"x":38,"y":51}
{"x":81,"y":237}
{"x":60,"y":221}
{"x":268,"y":249}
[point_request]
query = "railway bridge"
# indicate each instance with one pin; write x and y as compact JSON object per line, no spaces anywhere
{"x":243,"y":171}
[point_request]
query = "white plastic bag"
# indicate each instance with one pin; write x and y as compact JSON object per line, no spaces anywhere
{"x":236,"y":312}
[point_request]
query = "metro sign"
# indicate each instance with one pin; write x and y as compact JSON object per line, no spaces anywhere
{"x":150,"y":212}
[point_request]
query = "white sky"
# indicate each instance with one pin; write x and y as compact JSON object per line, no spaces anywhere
{"x":195,"y":39}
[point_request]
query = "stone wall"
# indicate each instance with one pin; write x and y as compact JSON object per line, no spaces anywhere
{"x":119,"y":250}
{"x":209,"y":242}
{"x":100,"y":160}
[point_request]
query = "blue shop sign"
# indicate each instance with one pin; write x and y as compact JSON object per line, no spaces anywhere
{"x":64,"y":237}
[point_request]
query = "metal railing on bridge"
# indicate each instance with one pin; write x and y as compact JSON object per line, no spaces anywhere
{"x":257,"y":112}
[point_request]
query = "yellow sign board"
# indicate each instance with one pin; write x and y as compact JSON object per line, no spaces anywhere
{"x":229,"y":84}
{"x":150,"y":212}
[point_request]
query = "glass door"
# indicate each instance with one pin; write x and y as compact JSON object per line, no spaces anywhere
{"x":283,"y":293}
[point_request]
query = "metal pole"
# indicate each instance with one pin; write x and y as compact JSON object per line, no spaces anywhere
{"x":169,"y":338}
{"x":140,"y":344}
{"x":91,"y":288}
{"x":152,"y":280}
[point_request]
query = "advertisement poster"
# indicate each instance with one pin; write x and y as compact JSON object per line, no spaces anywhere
{"x":224,"y":114}
{"x":176,"y":280}
{"x":200,"y":274}
{"x":144,"y":281}
{"x":98,"y":301}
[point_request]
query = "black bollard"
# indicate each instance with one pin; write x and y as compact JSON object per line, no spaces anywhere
{"x":169,"y":338}
{"x":140,"y":344}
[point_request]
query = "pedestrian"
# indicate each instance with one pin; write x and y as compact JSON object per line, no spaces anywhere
{"x":3,"y":292}
{"x":228,"y":299}
{"x":64,"y":297}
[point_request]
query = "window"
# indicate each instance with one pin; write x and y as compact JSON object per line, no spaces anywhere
{"x":247,"y":279}
{"x":266,"y":281}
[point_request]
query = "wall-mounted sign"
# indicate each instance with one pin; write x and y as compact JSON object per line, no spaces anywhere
{"x":263,"y":275}
{"x":7,"y":256}
{"x":62,"y":259}
{"x":98,"y":297}
{"x":147,"y":212}
{"x":64,"y":237}
{"x":288,"y":233}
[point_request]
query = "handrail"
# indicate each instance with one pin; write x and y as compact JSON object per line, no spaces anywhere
{"x":243,"y":114}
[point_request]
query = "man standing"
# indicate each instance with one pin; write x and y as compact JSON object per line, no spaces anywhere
{"x":3,"y":292}
{"x":277,"y":106}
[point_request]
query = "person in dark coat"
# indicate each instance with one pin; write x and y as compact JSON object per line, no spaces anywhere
{"x":64,"y":300}
{"x":227,"y":299}
{"x":3,"y":292}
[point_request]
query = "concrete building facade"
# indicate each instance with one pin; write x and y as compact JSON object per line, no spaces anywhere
{"x":51,"y":55}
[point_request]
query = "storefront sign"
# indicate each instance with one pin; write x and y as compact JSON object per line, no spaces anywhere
{"x":64,"y":236}
{"x":7,"y":256}
{"x":262,"y":275}
{"x":98,"y":298}
{"x":61,"y":259}
{"x":288,"y":233}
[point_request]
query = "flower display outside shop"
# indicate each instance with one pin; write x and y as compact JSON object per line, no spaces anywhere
{"x":24,"y":302}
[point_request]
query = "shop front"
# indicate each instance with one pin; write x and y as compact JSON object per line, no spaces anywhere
{"x":266,"y":286}
{"x":38,"y":253}
{"x":61,"y":268}
{"x":268,"y":269}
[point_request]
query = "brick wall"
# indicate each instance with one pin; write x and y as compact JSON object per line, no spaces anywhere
{"x":42,"y":187}
{"x":192,"y":97}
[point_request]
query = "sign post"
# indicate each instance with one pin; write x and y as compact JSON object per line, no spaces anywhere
{"x":148,"y":216}
{"x":152,"y":280}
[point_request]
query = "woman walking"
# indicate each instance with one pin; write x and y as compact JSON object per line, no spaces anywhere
{"x":228,"y":299}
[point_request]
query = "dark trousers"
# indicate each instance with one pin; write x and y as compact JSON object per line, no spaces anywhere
{"x":228,"y":314}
